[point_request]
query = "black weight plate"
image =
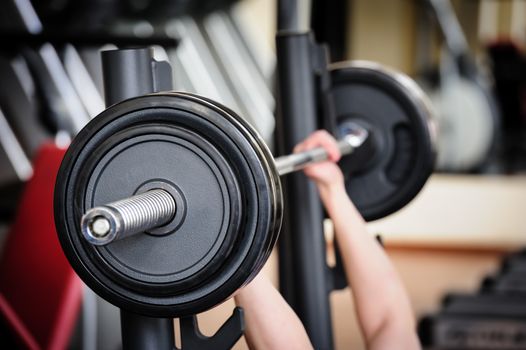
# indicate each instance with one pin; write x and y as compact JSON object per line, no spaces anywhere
{"x":267,"y":160}
{"x":230,"y":189}
{"x":397,"y":114}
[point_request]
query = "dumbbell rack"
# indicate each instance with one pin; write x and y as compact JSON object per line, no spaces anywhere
{"x":129,"y":73}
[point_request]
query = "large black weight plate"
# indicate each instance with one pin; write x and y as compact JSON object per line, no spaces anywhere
{"x":222,"y":170}
{"x":397,"y":115}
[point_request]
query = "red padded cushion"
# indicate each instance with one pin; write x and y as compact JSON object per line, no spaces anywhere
{"x":36,"y":280}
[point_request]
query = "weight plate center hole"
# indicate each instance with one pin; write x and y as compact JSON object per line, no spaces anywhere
{"x":180,"y":204}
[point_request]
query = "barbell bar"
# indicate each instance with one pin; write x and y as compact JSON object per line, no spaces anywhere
{"x":107,"y":223}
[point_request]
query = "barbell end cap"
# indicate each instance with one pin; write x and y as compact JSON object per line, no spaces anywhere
{"x":100,"y":225}
{"x":357,"y":137}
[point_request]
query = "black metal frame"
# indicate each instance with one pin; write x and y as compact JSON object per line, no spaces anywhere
{"x":303,"y":268}
{"x":304,"y":105}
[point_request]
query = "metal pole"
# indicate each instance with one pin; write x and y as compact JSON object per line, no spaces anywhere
{"x":141,"y":332}
{"x":130,"y":73}
{"x":288,"y":15}
{"x":303,"y":268}
{"x":133,"y":72}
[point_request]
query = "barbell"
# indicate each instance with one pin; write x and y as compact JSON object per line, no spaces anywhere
{"x":166,"y":204}
{"x":155,"y":208}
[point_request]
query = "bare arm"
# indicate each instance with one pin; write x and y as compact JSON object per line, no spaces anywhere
{"x":383,"y":308}
{"x":270,"y":322}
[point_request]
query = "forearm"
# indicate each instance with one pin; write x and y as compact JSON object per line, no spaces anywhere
{"x":381,"y":302}
{"x":270,"y":322}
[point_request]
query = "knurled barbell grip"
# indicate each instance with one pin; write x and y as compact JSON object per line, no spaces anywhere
{"x":110,"y":222}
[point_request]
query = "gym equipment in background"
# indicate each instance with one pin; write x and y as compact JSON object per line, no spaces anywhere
{"x":16,"y":167}
{"x":508,"y":62}
{"x":213,"y":60}
{"x":188,"y":158}
{"x":18,"y":100}
{"x":467,"y":114}
{"x":483,"y":321}
{"x":491,"y":319}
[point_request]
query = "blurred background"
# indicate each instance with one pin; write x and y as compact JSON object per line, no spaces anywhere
{"x":468,"y":55}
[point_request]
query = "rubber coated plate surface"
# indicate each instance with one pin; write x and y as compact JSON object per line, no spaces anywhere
{"x":172,"y":159}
